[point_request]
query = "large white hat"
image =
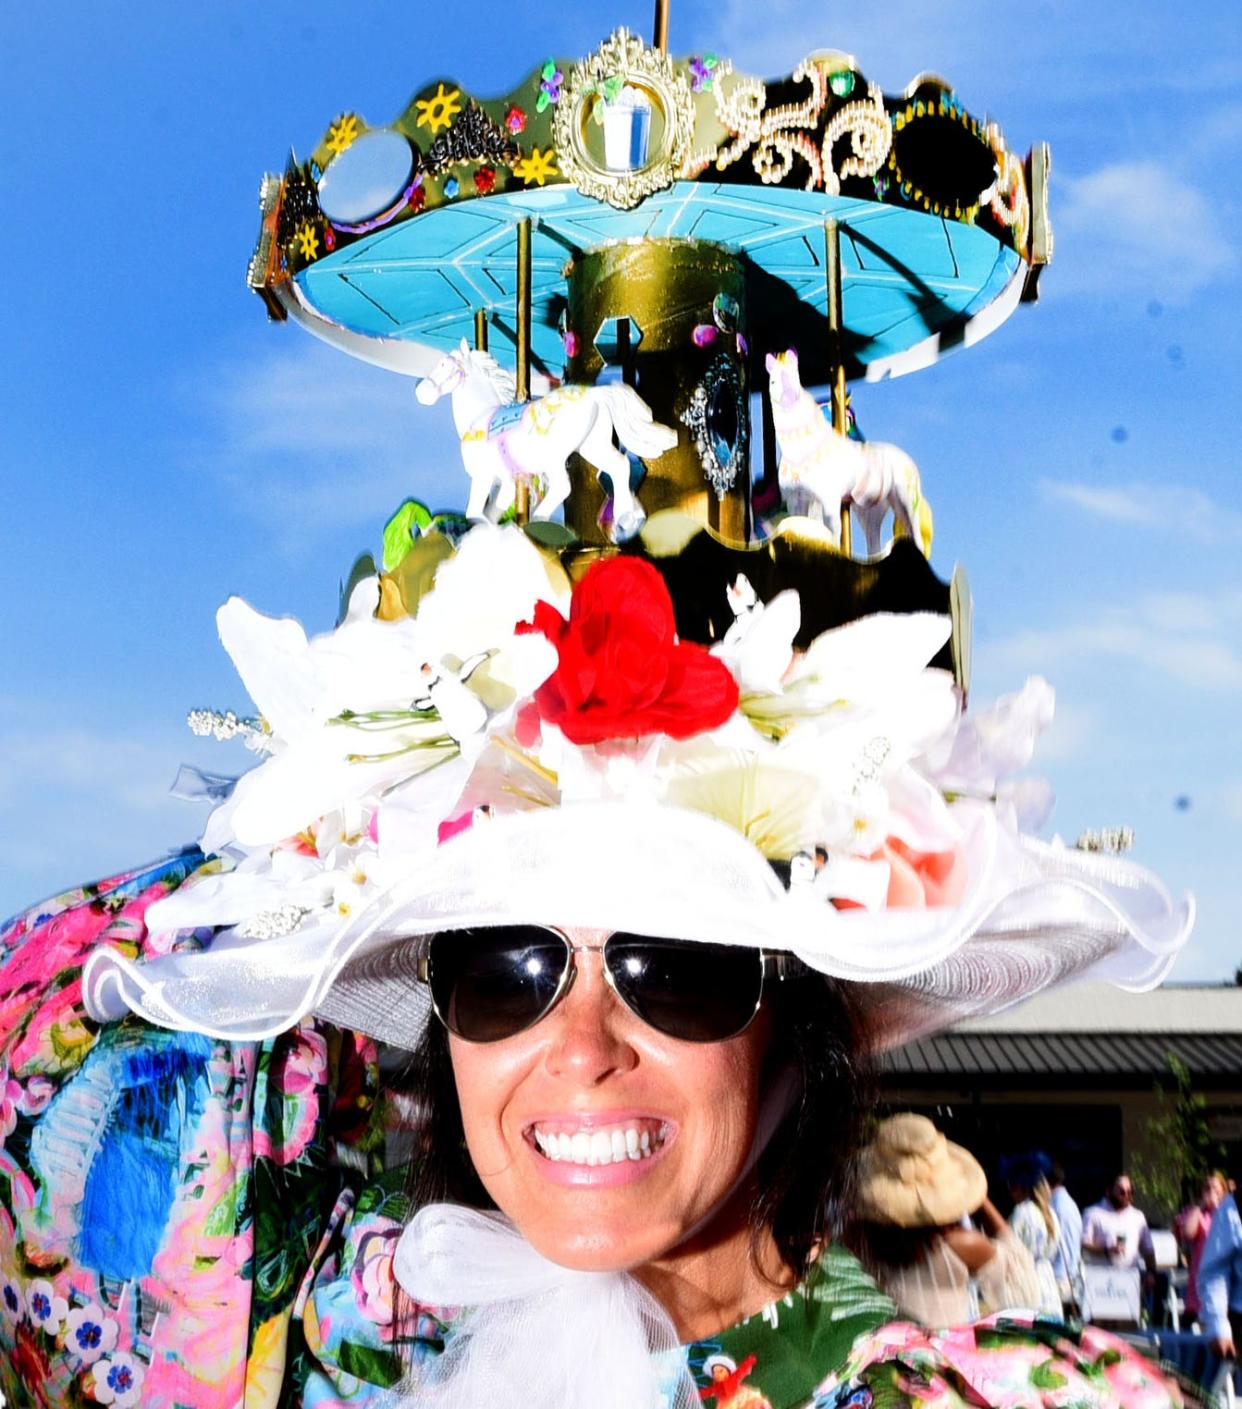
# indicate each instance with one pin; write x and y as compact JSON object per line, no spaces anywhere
{"x":453,"y":767}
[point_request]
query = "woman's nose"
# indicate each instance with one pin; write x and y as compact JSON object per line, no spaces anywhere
{"x":588,"y":1027}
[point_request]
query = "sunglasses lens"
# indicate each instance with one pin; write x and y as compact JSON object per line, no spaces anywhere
{"x":489,"y":984}
{"x":690,"y":991}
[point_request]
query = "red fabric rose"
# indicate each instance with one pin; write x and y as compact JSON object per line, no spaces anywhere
{"x":622,"y":672}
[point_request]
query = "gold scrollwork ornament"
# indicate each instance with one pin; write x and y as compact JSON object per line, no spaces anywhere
{"x":624,"y":56}
{"x":871,"y":138}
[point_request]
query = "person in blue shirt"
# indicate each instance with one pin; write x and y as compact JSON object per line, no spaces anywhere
{"x":1067,"y":1260}
{"x":1220,"y":1280}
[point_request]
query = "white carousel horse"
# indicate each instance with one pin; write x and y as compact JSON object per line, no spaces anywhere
{"x":502,"y":439}
{"x":820,"y":464}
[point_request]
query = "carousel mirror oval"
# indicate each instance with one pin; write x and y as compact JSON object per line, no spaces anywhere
{"x":366,"y":179}
{"x":723,"y":422}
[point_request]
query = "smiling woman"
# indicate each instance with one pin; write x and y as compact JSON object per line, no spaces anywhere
{"x":505,"y":1037}
{"x":641,"y":929}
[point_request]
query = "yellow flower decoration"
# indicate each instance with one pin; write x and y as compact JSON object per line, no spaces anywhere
{"x":439,"y":111}
{"x":308,"y":241}
{"x":342,"y":133}
{"x":537,"y":167}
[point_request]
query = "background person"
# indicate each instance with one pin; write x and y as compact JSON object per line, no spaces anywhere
{"x":1219,"y":1281}
{"x":1067,"y":1259}
{"x":1033,"y":1222}
{"x":915,"y":1189}
{"x":1115,"y":1231}
{"x":1192,"y":1226}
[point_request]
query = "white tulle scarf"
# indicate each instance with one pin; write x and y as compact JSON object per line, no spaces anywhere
{"x":534,"y":1333}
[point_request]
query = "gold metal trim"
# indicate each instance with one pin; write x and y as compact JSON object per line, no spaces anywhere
{"x":624,"y":56}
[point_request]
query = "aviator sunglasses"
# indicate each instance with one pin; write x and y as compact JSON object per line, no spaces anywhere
{"x":491,"y":983}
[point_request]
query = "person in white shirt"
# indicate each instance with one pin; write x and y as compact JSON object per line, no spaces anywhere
{"x":1115,"y":1231}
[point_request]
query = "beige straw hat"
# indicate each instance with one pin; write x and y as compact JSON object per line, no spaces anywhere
{"x":910,"y":1175}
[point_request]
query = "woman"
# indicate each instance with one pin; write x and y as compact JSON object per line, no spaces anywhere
{"x":1034,"y":1223}
{"x":533,"y":835}
{"x":916,"y":1192}
{"x":1192,"y":1226}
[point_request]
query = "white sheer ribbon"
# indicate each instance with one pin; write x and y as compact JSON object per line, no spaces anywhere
{"x":547,"y":1336}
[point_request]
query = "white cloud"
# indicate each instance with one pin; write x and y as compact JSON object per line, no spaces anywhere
{"x":1138,"y":225}
{"x":891,"y":44}
{"x":78,"y":804}
{"x":1189,"y":638}
{"x":1150,"y":505}
{"x":1068,"y":736}
{"x":308,"y":441}
{"x":1230,"y":801}
{"x":129,"y":773}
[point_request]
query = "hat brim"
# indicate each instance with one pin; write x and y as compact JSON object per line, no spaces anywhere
{"x":1032,"y":916}
{"x":883,"y":1196}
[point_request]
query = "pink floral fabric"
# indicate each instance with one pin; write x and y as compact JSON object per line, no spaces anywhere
{"x":163,"y":1195}
{"x":1004,"y":1363}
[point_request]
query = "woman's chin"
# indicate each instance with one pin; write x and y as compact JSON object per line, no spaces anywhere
{"x":596,"y":1247}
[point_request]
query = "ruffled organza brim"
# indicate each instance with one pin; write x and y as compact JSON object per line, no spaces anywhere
{"x":1032,"y":915}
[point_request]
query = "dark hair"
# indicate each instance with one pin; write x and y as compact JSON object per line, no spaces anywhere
{"x":803,"y":1173}
{"x":890,"y":1245}
{"x":1024,"y":1171}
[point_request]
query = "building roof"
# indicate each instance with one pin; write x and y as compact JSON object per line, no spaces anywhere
{"x":1097,"y":1058}
{"x":1099,"y":1007}
{"x":1091,"y":1032}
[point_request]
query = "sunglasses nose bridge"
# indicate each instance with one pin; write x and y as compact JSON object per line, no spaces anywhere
{"x":576,"y":959}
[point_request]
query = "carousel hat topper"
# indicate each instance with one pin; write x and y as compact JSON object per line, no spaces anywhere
{"x":687,"y":711}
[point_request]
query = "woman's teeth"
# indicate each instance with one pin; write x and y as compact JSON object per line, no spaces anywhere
{"x":594,"y":1147}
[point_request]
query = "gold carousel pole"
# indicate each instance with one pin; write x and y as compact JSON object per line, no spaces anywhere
{"x":480,"y":329}
{"x":836,"y":356}
{"x":660,"y":28}
{"x":522,"y":500}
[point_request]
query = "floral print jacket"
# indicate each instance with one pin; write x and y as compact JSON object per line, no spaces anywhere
{"x":188,"y":1223}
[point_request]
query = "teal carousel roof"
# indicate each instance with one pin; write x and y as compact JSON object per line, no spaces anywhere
{"x":387,"y":241}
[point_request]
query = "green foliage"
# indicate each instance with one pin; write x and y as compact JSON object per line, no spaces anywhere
{"x":1180,"y":1148}
{"x":1047,"y":1376}
{"x":401,"y":531}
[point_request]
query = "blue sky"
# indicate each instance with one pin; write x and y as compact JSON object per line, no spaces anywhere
{"x":161,"y":446}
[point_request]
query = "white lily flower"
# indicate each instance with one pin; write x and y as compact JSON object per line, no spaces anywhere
{"x":857,"y":822}
{"x":342,"y":706}
{"x":591,"y":772}
{"x":482,"y":593}
{"x":861,"y":663}
{"x":777,"y":808}
{"x":993,"y":743}
{"x":875,"y":666}
{"x":758,"y":647}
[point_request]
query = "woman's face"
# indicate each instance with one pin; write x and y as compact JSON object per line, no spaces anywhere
{"x":675,"y":1122}
{"x":1213,"y":1191}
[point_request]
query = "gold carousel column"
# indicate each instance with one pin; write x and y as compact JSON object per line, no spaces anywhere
{"x":682,"y":349}
{"x":836,"y":358}
{"x":521,"y":502}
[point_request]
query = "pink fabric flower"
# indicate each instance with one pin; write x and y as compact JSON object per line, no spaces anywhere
{"x":298,"y":1071}
{"x":921,"y":880}
{"x":372,"y":1277}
